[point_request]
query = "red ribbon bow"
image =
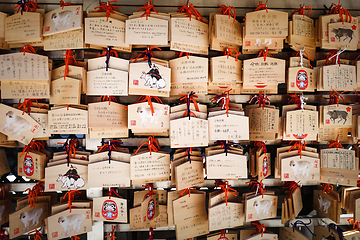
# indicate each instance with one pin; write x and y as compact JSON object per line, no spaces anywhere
{"x":63,"y":4}
{"x":70,"y":196}
{"x":258,"y":185}
{"x":107,"y":7}
{"x":190,"y":10}
{"x":340,"y":10}
{"x":111,"y":235}
{"x":326,"y":188}
{"x":300,"y":145}
{"x":28,"y":49}
{"x":334,"y":97}
{"x":228,"y":10}
{"x":152,"y":145}
{"x":148,"y":7}
{"x":302,"y":10}
{"x":69,"y":57}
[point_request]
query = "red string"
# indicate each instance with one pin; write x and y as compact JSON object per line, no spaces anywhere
{"x":225,"y":186}
{"x":191,"y":99}
{"x":76,"y":237}
{"x":258,"y":185}
{"x":33,"y":145}
{"x":224,"y":99}
{"x":37,"y":234}
{"x":260,"y":7}
{"x":112,"y":51}
{"x":183,"y":192}
{"x":335,"y":144}
{"x":27,"y":104}
{"x":148,"y":99}
{"x":307,"y":55}
{"x":152,"y":145}
{"x":229,"y":52}
{"x":151,"y":233}
{"x":292,"y":186}
{"x":223,"y":235}
{"x":341,"y":11}
{"x":31,"y":197}
{"x":63,"y":4}
{"x":150,"y":187}
{"x":189,"y":9}
{"x":69,"y":57}
{"x":28,"y":49}
{"x":111,"y":192}
{"x":180,"y":54}
{"x":3,"y":192}
{"x":259,"y":227}
{"x":105,"y":98}
{"x":260,"y":144}
{"x":145,"y":53}
{"x":228,"y":10}
{"x":71,"y":147}
{"x":264,"y":53}
{"x":111,"y":235}
{"x":302,"y":10}
{"x":261,"y":99}
{"x":109,"y":146}
{"x":334,"y":97}
{"x":107,"y":7}
{"x":29,"y":6}
{"x":70,"y":196}
{"x":326,"y":188}
{"x":148,"y":7}
{"x":2,"y":234}
{"x":300,"y":145}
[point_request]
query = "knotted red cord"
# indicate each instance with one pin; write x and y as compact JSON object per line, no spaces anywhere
{"x":70,"y":148}
{"x":188,"y":99}
{"x":27,"y":49}
{"x":258,"y":185}
{"x":260,"y":7}
{"x":111,"y":192}
{"x":259,"y":227}
{"x":264,"y":53}
{"x":27,"y":104}
{"x":37,"y":234}
{"x":183,"y":192}
{"x":180,"y":54}
{"x":33,"y":145}
{"x":294,"y":99}
{"x":225,"y":99}
{"x":300,"y":145}
{"x":146,"y":53}
{"x":109,"y":52}
{"x":326,"y":188}
{"x":223,"y":235}
{"x":152,"y":145}
{"x":189,"y":9}
{"x":2,"y":234}
{"x":150,"y":187}
{"x":27,"y":6}
{"x":70,"y":196}
{"x":226,"y":187}
{"x":334,"y":97}
{"x":111,"y":234}
{"x":107,"y":7}
{"x":109,"y":98}
{"x":148,"y":99}
{"x":151,"y":233}
{"x":228,"y":10}
{"x":356,"y":225}
{"x":38,"y":189}
{"x":302,"y":10}
{"x":148,"y":7}
{"x":340,"y":10}
{"x":260,"y":144}
{"x":307,"y":55}
{"x":63,"y":4}
{"x":69,"y":57}
{"x":76,"y":237}
{"x":109,"y":146}
{"x":261,"y":99}
{"x":229,"y":52}
{"x":32,"y":198}
{"x":292,"y":186}
{"x":335,"y":144}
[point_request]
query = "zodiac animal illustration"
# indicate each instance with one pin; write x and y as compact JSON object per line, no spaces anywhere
{"x":71,"y":179}
{"x":32,"y":215}
{"x":335,"y":114}
{"x":63,"y":17}
{"x":324,"y":204}
{"x":145,"y":114}
{"x":73,"y":221}
{"x":20,"y":124}
{"x":262,"y":207}
{"x":341,"y":32}
{"x":301,"y":168}
{"x":153,"y":78}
